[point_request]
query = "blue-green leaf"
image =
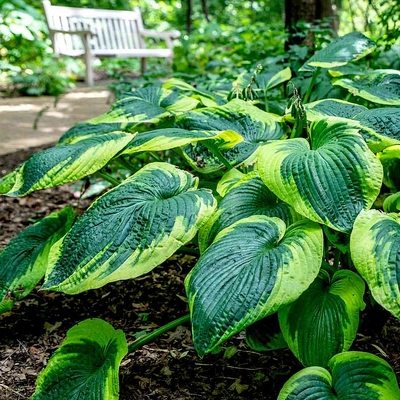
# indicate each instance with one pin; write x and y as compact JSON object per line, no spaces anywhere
{"x":86,"y":365}
{"x":253,"y":268}
{"x":354,"y":375}
{"x":63,"y":164}
{"x":332,"y":181}
{"x":130,"y":230}
{"x":327,"y":312}
{"x":23,"y":262}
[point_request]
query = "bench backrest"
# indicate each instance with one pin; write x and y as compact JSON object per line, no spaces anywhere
{"x":113,"y":30}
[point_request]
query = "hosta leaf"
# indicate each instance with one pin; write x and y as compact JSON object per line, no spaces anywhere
{"x":392,"y":203}
{"x":350,"y":47}
{"x":248,"y":197}
{"x":390,"y":159}
{"x":380,"y":86}
{"x":23,"y":262}
{"x":228,"y":180}
{"x":255,"y":126}
{"x":130,"y":230}
{"x":354,"y":375}
{"x":327,"y":312}
{"x":268,"y":80}
{"x":169,"y":138}
{"x":86,"y":365}
{"x":253,"y":267}
{"x":266,"y":334}
{"x":332,"y":108}
{"x":147,"y":105}
{"x":375,"y":247}
{"x":62,"y":164}
{"x":332,"y":181}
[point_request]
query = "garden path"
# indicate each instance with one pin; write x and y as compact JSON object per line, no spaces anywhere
{"x":19,"y":116}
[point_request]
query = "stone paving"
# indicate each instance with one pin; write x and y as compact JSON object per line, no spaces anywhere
{"x":19,"y":115}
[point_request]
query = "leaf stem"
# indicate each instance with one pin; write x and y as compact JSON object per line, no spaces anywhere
{"x":108,"y":178}
{"x":121,"y":161}
{"x":311,"y":85}
{"x":189,"y":251}
{"x":163,"y":329}
{"x":217,"y":153}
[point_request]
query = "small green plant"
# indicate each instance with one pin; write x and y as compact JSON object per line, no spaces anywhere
{"x":281,"y":205}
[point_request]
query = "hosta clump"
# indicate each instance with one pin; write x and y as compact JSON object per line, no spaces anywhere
{"x":280,"y":207}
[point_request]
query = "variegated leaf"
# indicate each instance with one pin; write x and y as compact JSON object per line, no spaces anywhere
{"x":253,"y":268}
{"x":130,"y":230}
{"x":63,"y":164}
{"x":86,"y":365}
{"x":350,"y":47}
{"x":392,"y":203}
{"x":390,"y":159}
{"x":327,"y":312}
{"x":247,"y":197}
{"x":23,"y":262}
{"x":353,"y":375}
{"x":375,"y":248}
{"x":255,"y":126}
{"x":330,"y":181}
{"x":147,"y":105}
{"x":332,"y":108}
{"x":380,"y":86}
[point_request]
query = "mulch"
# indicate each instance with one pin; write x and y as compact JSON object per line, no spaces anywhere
{"x":167,"y":368}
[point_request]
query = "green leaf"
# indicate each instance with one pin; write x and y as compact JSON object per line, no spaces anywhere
{"x":265,"y":334}
{"x":63,"y":164}
{"x":170,"y":138}
{"x":268,"y":80}
{"x":327,"y":312}
{"x":255,"y":126}
{"x":247,"y":197}
{"x":380,"y":86}
{"x":350,"y":47}
{"x":228,"y":180}
{"x":130,"y":230}
{"x":375,"y":247}
{"x":332,"y":108}
{"x":390,"y":159}
{"x":24,"y":260}
{"x":332,"y":181}
{"x":86,"y":365}
{"x":380,"y":127}
{"x":392,"y":203}
{"x":354,"y":375}
{"x":147,"y":105}
{"x":253,"y":268}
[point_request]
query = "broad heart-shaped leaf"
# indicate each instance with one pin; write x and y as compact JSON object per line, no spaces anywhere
{"x":170,"y":138}
{"x":248,"y":197}
{"x":255,"y":126}
{"x":375,"y":247}
{"x":323,"y":321}
{"x":86,"y":365}
{"x":380,"y":127}
{"x":130,"y":230}
{"x":354,"y":375}
{"x":253,"y":268}
{"x":350,"y":47}
{"x":392,"y":203}
{"x":329,"y":183}
{"x":332,"y":108}
{"x":265,"y":334}
{"x":390,"y":159}
{"x":62,"y":164}
{"x":228,"y":180}
{"x":380,"y":86}
{"x":24,"y":260}
{"x":147,"y":105}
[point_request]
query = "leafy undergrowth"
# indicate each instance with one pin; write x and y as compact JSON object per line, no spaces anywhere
{"x":167,"y":368}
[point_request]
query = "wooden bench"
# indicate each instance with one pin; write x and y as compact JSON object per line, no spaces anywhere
{"x":91,"y":33}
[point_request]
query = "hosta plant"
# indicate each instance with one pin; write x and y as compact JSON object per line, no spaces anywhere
{"x":283,"y":209}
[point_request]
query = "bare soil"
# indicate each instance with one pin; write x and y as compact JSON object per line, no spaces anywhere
{"x":168,"y":368}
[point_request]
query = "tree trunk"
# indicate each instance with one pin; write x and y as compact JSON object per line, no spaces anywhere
{"x":204,"y":7}
{"x":189,"y":16}
{"x":308,"y":11}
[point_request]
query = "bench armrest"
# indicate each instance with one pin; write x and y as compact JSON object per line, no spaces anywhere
{"x":80,"y":33}
{"x":161,"y":35}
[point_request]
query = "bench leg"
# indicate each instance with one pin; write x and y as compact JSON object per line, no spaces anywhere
{"x":89,"y":69}
{"x":143,"y":63}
